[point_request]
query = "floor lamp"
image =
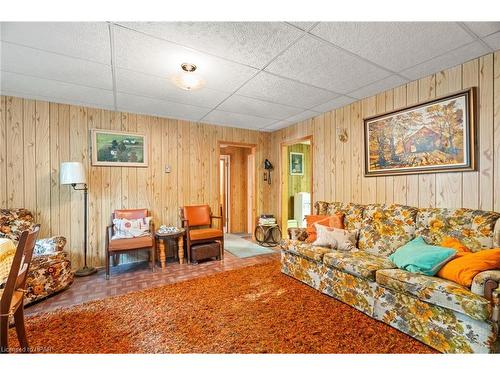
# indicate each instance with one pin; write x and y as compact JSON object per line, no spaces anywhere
{"x":73,"y":173}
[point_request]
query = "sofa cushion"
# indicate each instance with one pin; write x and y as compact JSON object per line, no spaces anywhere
{"x":357,"y":263}
{"x":385,"y":228}
{"x":306,"y":250}
{"x":353,"y":213}
{"x":474,"y":228}
{"x":437,"y":291}
{"x":15,"y":221}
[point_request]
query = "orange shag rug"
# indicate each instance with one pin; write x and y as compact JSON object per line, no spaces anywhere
{"x":251,"y":310}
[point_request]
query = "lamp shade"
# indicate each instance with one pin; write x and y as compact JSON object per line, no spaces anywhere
{"x":72,"y":173}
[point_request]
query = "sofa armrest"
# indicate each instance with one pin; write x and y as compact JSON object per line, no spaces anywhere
{"x":485,"y":282}
{"x":299,"y":234}
{"x":51,"y":245}
{"x":44,"y":260}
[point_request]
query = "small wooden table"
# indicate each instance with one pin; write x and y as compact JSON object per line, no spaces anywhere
{"x":162,"y":238}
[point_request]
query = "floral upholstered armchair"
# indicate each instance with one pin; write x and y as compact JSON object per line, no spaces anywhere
{"x":50,"y":269}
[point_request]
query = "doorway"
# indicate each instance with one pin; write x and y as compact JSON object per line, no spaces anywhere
{"x":296,"y":182}
{"x":237,"y":187}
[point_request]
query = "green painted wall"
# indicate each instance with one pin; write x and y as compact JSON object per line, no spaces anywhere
{"x":297,"y":184}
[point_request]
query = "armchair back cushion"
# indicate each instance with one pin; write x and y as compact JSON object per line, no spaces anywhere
{"x":130,"y":214}
{"x":197,"y":215}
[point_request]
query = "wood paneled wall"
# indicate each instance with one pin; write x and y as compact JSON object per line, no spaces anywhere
{"x":36,"y":136}
{"x":296,"y":184}
{"x":238,"y":195}
{"x":338,"y":167}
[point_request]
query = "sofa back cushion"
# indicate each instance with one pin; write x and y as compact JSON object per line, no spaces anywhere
{"x":474,"y":228}
{"x":386,"y":227}
{"x":15,"y":221}
{"x":353,"y":213}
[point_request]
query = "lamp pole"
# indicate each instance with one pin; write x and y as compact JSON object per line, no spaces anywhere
{"x":85,"y":271}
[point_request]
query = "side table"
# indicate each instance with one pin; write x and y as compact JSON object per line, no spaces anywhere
{"x":162,"y":238}
{"x":268,"y":235}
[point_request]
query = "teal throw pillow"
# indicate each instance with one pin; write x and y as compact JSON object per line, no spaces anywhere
{"x":418,"y":256}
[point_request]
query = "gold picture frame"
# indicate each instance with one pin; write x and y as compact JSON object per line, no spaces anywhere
{"x":436,"y":136}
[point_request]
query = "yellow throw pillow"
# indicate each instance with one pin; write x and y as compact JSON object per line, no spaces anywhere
{"x":464,"y":268}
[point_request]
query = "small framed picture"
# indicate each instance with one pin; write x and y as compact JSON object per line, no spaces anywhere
{"x":296,"y":164}
{"x":119,"y":149}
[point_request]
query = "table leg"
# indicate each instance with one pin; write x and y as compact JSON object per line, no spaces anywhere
{"x":181,"y":250}
{"x":162,"y":253}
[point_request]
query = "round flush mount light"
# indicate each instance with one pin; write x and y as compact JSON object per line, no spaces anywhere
{"x":187,"y":67}
{"x":187,"y":79}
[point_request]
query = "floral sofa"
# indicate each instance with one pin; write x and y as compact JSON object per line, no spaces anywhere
{"x":438,"y":312}
{"x":50,"y":269}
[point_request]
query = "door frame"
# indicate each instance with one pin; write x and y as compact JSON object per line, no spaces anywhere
{"x":226,"y":213}
{"x":283,"y":175}
{"x":253,"y":147}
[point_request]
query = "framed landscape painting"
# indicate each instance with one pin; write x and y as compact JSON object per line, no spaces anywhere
{"x":119,"y":149}
{"x":436,"y":136}
{"x":296,"y":164}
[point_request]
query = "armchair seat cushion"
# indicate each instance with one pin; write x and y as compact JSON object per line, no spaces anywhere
{"x":357,"y":263}
{"x":436,"y":291}
{"x":204,"y":234}
{"x":131,"y":243}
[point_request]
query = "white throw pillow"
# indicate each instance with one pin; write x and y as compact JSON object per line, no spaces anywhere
{"x":125,"y":228}
{"x":340,"y":239}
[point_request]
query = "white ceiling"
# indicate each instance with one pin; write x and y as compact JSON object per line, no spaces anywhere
{"x":259,"y":75}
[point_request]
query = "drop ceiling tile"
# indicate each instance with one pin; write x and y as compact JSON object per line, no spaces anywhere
{"x":140,"y":84}
{"x":303,"y":25}
{"x":142,"y":53}
{"x":57,"y":91}
{"x":452,"y":58}
{"x":256,"y":107}
{"x":320,"y":64}
{"x":493,"y":41}
{"x":85,"y":40}
{"x":249,"y":43}
{"x":333,"y":104}
{"x":483,"y":28}
{"x":302,"y":116}
{"x":269,"y":87}
{"x":277,"y":125}
{"x":237,"y":120}
{"x":395,"y":45}
{"x":140,"y":104}
{"x":34,"y":62}
{"x":379,"y":86}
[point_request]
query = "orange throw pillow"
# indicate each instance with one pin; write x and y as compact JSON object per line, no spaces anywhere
{"x":335,"y":221}
{"x":453,"y":243}
{"x":464,"y":268}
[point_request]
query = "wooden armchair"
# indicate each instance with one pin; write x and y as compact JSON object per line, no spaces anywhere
{"x":197,"y":221}
{"x":12,"y":296}
{"x":118,"y":246}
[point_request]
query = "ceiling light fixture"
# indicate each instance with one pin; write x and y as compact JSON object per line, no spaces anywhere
{"x":187,"y":79}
